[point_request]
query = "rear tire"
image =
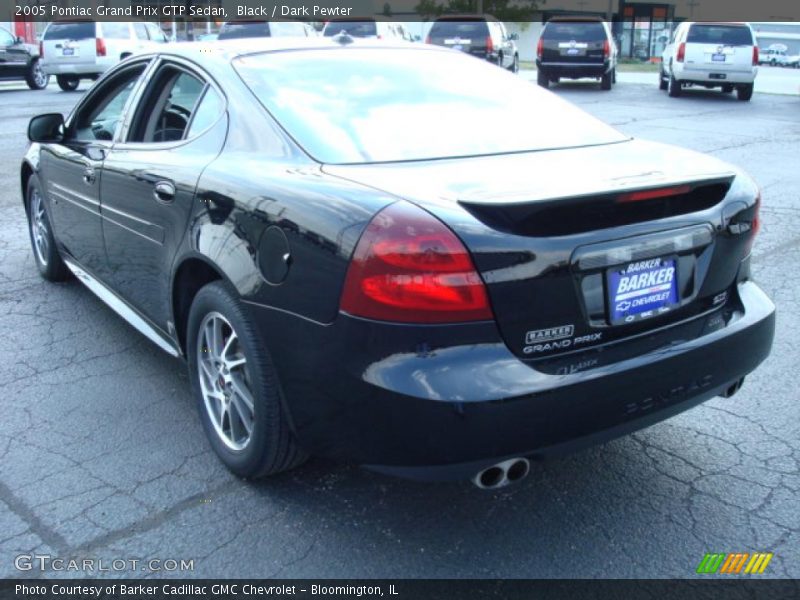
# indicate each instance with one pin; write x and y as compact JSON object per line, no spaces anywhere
{"x":542,"y":79}
{"x":35,"y":77}
{"x":673,"y":87}
{"x":43,"y":243}
{"x":605,"y":81}
{"x":727,"y":88}
{"x":744,"y":92}
{"x":236,"y":387}
{"x":514,"y":68}
{"x":662,"y":81}
{"x":68,"y":83}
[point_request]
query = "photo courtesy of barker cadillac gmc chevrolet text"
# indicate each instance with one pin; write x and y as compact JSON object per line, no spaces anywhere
{"x":350,"y":272}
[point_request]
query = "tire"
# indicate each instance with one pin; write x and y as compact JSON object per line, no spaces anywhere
{"x":673,"y":87}
{"x":68,"y":83}
{"x":727,"y":88}
{"x":249,"y":391}
{"x":605,"y":80}
{"x":35,"y":77}
{"x":662,"y":81}
{"x":514,"y":68}
{"x":43,"y":243}
{"x":542,"y":79}
{"x":744,"y":92}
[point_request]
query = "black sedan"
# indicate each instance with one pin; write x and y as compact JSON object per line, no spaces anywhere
{"x":382,"y":254}
{"x":20,"y":61}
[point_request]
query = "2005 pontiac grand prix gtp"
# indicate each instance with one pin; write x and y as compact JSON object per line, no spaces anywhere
{"x":397,"y":255}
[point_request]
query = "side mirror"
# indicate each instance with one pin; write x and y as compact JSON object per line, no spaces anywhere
{"x":48,"y":127}
{"x":514,"y":37}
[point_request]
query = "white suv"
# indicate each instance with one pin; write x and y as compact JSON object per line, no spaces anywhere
{"x":722,"y":55}
{"x":84,"y":50}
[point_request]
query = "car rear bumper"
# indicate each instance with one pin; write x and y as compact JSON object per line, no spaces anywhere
{"x":79,"y":69}
{"x":444,"y":413}
{"x":573,"y":70}
{"x":711,"y":76}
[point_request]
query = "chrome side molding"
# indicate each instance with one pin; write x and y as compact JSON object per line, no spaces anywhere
{"x":122,"y":309}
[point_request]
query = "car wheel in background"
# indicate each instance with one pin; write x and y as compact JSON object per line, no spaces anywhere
{"x":662,"y":80}
{"x":605,"y":81}
{"x":673,"y":87}
{"x":744,"y":92}
{"x":514,"y":68}
{"x":236,"y":387}
{"x":542,"y":79}
{"x":727,"y":88}
{"x":36,"y":78}
{"x":68,"y":83}
{"x":45,"y":252}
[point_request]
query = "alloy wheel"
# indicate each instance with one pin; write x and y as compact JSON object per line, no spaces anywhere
{"x":225,"y":381}
{"x":39,"y":228}
{"x":39,"y":76}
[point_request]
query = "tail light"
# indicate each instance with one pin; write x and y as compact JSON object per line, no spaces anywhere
{"x":409,"y":267}
{"x":755,"y":225}
{"x":540,"y":48}
{"x":755,"y":56}
{"x":652,"y":194}
{"x":100,"y":46}
{"x":606,"y":49}
{"x":489,"y":44}
{"x":681,"y":52}
{"x":41,"y":49}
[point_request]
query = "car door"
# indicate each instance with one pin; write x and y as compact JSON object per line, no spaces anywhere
{"x":72,"y":170}
{"x":13,"y":56}
{"x":149,"y":182}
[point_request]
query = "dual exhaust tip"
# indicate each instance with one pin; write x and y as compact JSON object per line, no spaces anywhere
{"x":502,"y":474}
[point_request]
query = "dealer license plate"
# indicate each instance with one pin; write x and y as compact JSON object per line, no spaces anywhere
{"x":718,"y":57}
{"x":642,"y":289}
{"x":68,"y":52}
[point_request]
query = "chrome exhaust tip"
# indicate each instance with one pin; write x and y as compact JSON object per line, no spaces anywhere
{"x":502,"y":474}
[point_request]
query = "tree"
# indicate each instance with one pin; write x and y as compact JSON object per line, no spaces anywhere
{"x":504,"y":10}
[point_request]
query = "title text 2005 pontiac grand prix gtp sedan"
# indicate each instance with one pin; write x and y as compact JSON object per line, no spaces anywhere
{"x":397,"y":256}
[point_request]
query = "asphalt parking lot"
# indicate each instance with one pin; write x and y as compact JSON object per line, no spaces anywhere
{"x":103,"y":456}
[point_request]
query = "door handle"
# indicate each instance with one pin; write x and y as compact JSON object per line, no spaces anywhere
{"x":89,"y":175}
{"x":164,"y":191}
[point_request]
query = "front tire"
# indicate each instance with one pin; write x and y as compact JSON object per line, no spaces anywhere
{"x":514,"y":68}
{"x":605,"y":81}
{"x":542,"y":79}
{"x":36,"y":77}
{"x":236,"y":387}
{"x":673,"y":87}
{"x":45,"y":253}
{"x":68,"y":83}
{"x":662,"y":81}
{"x":744,"y":92}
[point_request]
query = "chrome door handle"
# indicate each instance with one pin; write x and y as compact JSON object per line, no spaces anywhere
{"x":89,"y":175}
{"x":164,"y":191}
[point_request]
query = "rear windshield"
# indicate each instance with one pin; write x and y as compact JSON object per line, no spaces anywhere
{"x":353,"y":28}
{"x":725,"y":35}
{"x":70,"y":31}
{"x":250,"y":29}
{"x":463,"y":29}
{"x":577,"y":31}
{"x":354,"y":105}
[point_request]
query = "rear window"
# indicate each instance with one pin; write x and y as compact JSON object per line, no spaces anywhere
{"x":574,"y":31}
{"x":353,"y":28}
{"x":70,"y":31}
{"x":462,"y":29}
{"x":724,"y":35}
{"x":354,"y":105}
{"x":231,"y":31}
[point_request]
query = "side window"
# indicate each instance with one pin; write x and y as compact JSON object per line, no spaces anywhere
{"x":6,"y":39}
{"x":165,"y":113}
{"x":207,"y":112}
{"x":98,"y":119}
{"x":141,"y":30}
{"x":155,"y":32}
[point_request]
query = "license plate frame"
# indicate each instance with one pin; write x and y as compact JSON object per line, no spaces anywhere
{"x":650,"y":290}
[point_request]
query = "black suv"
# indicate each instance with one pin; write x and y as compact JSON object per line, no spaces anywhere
{"x":574,"y":48}
{"x":19,"y":60}
{"x":484,"y":37}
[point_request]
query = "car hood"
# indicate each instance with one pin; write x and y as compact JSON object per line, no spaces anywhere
{"x":534,"y":176}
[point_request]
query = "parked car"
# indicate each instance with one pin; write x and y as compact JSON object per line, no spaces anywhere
{"x":364,"y":29}
{"x":480,"y":36}
{"x":20,"y":61}
{"x":351,"y":272}
{"x":711,"y":55}
{"x":261,"y":29}
{"x":773,"y":57}
{"x":793,"y":60}
{"x":575,"y":48}
{"x":84,"y":49}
